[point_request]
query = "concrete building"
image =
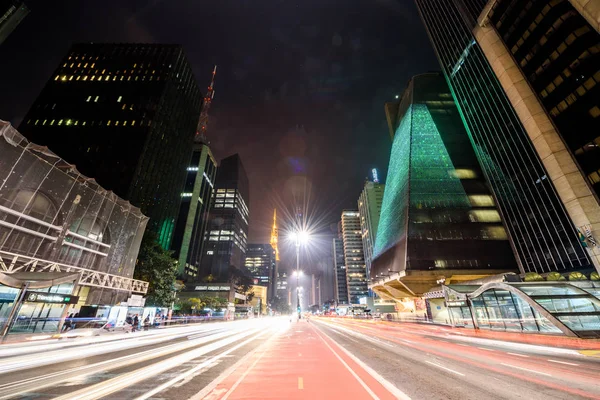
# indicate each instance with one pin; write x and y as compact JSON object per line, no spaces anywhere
{"x":227,"y":231}
{"x":260,"y":263}
{"x":339,"y":265}
{"x":439,"y":220}
{"x":369,"y":209}
{"x":12,"y":13}
{"x":188,"y":237}
{"x":125,"y":114}
{"x":356,"y":270}
{"x":523,"y":76}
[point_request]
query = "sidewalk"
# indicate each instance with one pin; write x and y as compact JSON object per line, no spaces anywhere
{"x":301,"y":363}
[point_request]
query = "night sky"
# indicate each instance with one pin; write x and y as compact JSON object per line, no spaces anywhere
{"x":300,"y":85}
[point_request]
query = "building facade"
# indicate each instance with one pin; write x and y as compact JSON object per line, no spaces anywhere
{"x":227,"y":231}
{"x":12,"y":13}
{"x":260,"y":262}
{"x":340,"y":286}
{"x":188,"y":237}
{"x":55,"y":220}
{"x":125,"y":114}
{"x":551,"y":74}
{"x":356,"y":270}
{"x":438,"y":218}
{"x":369,"y":209}
{"x":537,"y":200}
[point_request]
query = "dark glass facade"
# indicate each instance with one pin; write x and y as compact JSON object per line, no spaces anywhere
{"x":542,"y":235}
{"x":227,"y":231}
{"x":437,"y":212}
{"x":260,"y":262}
{"x":125,"y":114}
{"x":12,"y":13}
{"x":341,"y":287}
{"x":559,"y":54}
{"x":188,"y":237}
{"x":354,"y":257}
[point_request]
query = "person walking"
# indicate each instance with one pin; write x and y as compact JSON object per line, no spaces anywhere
{"x":147,"y":323}
{"x":136,"y":323}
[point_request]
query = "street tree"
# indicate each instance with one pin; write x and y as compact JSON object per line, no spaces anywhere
{"x":156,"y":266}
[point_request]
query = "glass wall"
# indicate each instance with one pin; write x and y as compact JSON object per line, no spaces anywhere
{"x":41,"y":317}
{"x":499,"y":309}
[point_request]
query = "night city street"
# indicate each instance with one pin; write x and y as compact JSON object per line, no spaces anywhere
{"x":273,"y":200}
{"x":301,"y":359}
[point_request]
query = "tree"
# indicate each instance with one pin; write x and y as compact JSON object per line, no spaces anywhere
{"x":214,"y":302}
{"x":280,"y":305}
{"x":156,"y":266}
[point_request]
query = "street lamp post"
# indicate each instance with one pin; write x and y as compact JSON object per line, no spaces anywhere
{"x":300,"y":237}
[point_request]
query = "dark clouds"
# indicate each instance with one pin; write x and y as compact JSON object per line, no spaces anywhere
{"x":300,"y":86}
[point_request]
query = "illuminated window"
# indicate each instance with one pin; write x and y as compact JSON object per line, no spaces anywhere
{"x":60,"y":122}
{"x":481,"y":200}
{"x":133,"y":123}
{"x":594,"y":177}
{"x":85,"y":77}
{"x":210,"y":252}
{"x":108,"y":123}
{"x":595,"y":112}
{"x":63,"y":78}
{"x":484,"y":216}
{"x":116,"y":123}
{"x":107,"y":78}
{"x":56,"y":77}
{"x":119,"y":99}
{"x":88,"y":99}
{"x":69,"y":122}
{"x":464,"y":174}
{"x":93,"y":77}
{"x":96,"y":99}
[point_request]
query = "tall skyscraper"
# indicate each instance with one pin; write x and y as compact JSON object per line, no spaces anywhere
{"x":356,"y":271}
{"x":227,"y":230}
{"x":188,"y":237}
{"x":438,"y":217}
{"x":340,"y":287}
{"x":12,"y":13}
{"x":260,"y":262}
{"x":125,"y":114}
{"x":536,"y":191}
{"x":369,"y":209}
{"x":550,"y":71}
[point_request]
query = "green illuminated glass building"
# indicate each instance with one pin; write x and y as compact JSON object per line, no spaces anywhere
{"x":188,"y":237}
{"x":514,"y":70}
{"x":125,"y":114}
{"x":438,"y":217}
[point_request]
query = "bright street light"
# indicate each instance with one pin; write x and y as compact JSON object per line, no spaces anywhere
{"x":299,"y":273}
{"x":299,"y":237}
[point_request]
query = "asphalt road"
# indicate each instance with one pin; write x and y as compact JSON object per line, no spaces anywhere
{"x":170,"y":363}
{"x":271,"y":358}
{"x":426,"y":364}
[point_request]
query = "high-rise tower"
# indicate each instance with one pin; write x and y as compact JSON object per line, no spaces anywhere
{"x":12,"y":13}
{"x":188,"y":238}
{"x":535,"y":183}
{"x":227,"y":230}
{"x":125,"y":114}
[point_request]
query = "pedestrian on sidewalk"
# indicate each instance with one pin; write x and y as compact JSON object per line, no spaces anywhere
{"x":136,"y":322}
{"x":147,"y":323}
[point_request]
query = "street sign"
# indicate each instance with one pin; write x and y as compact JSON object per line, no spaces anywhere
{"x":56,"y":298}
{"x":456,"y":303}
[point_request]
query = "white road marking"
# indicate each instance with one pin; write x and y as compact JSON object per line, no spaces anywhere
{"x":447,"y":369}
{"x":517,"y":354}
{"x":389,"y":386}
{"x":464,"y":345}
{"x":300,"y":383}
{"x":563,"y":362}
{"x":526,"y":369}
{"x":483,"y":348}
{"x":197,"y":368}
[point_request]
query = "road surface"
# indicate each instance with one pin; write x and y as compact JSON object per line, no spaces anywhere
{"x":271,"y":358}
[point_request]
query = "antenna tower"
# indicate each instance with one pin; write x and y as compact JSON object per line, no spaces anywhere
{"x":203,"y":121}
